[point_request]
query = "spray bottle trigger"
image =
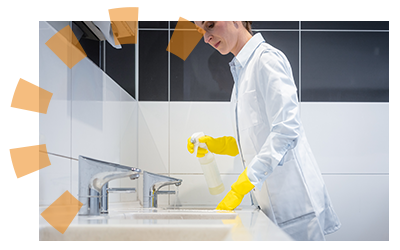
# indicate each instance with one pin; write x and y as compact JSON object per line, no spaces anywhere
{"x":196,"y":145}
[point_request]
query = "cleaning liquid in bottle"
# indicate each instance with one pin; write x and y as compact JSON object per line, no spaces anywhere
{"x":209,"y":166}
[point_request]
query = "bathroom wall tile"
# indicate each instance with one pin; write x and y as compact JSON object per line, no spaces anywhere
{"x":95,"y":113}
{"x":194,"y":191}
{"x":54,"y":76}
{"x":89,"y":45}
{"x":153,"y":61}
{"x":288,"y":43}
{"x":120,"y":66}
{"x":347,"y":25}
{"x":345,"y":66}
{"x":362,"y":205}
{"x":212,"y":118}
{"x":265,"y":25}
{"x":128,"y":130}
{"x":348,"y":137}
{"x":54,"y":180}
{"x":111,"y":120}
{"x":153,"y":136}
{"x":275,"y":25}
{"x":75,"y":178}
{"x":153,"y":24}
{"x":203,"y":76}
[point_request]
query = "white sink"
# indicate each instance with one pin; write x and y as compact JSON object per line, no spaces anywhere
{"x":137,"y":232}
{"x":148,"y":225}
{"x":182,"y":215}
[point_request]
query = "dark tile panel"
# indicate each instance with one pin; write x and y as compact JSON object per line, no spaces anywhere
{"x":275,"y":25}
{"x":347,"y":25}
{"x":345,"y":66}
{"x":265,"y":24}
{"x":90,"y":45}
{"x":120,"y":66}
{"x":203,"y":76}
{"x":206,"y":76}
{"x":153,"y":24}
{"x":288,"y":43}
{"x":153,"y":65}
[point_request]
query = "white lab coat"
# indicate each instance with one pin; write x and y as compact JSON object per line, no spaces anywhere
{"x":273,"y":145}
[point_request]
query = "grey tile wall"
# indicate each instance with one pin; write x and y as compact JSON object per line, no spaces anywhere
{"x":120,"y":66}
{"x":345,"y":66}
{"x":204,"y":76}
{"x":119,"y":63}
{"x":153,"y":65}
{"x":331,"y":62}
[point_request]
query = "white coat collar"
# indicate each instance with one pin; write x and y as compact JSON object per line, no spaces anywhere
{"x":247,"y":50}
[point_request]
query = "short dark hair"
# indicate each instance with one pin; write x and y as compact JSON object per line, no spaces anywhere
{"x":247,"y":25}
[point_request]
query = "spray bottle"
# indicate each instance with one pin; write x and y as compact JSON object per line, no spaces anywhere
{"x":209,"y":166}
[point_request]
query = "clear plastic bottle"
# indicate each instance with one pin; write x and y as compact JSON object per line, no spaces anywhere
{"x":209,"y":166}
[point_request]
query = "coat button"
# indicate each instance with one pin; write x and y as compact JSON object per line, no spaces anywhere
{"x":265,"y":173}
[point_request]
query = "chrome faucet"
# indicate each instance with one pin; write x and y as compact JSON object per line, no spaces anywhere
{"x":152,"y":183}
{"x":94,"y":176}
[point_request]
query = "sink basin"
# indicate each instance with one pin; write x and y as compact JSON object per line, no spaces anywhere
{"x":137,"y":232}
{"x":147,"y":225}
{"x":182,"y":215}
{"x":119,"y":232}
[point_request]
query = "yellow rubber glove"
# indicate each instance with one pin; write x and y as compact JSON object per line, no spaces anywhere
{"x":238,"y":190}
{"x":222,"y":145}
{"x":201,"y":152}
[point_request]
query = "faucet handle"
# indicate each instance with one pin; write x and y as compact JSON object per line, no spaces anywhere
{"x":165,"y":192}
{"x":121,"y":190}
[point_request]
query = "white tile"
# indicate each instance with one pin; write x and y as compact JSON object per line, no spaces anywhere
{"x":362,"y":205}
{"x":55,"y":126}
{"x":348,"y":137}
{"x":96,"y":113}
{"x":153,"y":137}
{"x":212,"y":118}
{"x":54,"y":180}
{"x":128,"y":130}
{"x":111,"y":121}
{"x":194,"y":191}
{"x":75,"y":178}
{"x":87,"y":110}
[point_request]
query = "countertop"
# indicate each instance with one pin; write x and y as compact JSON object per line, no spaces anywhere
{"x":250,"y":223}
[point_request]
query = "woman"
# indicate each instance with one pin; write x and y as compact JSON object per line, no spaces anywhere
{"x":270,"y":136}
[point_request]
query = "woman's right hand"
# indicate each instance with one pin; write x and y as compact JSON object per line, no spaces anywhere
{"x":201,"y":152}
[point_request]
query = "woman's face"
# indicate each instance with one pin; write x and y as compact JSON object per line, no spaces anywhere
{"x":222,"y":35}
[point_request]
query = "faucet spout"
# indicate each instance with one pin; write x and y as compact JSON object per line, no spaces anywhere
{"x":99,"y":180}
{"x":157,"y":186}
{"x":152,"y":183}
{"x":94,"y":176}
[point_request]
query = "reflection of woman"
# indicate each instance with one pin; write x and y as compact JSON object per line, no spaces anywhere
{"x":219,"y":69}
{"x":270,"y":136}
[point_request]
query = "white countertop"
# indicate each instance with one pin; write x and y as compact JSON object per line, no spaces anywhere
{"x":128,"y":221}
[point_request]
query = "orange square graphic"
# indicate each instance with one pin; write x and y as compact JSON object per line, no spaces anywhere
{"x":27,"y":160}
{"x":62,"y":211}
{"x":125,"y":32}
{"x":67,"y":47}
{"x":124,"y":14}
{"x":31,"y":97}
{"x":185,"y":38}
